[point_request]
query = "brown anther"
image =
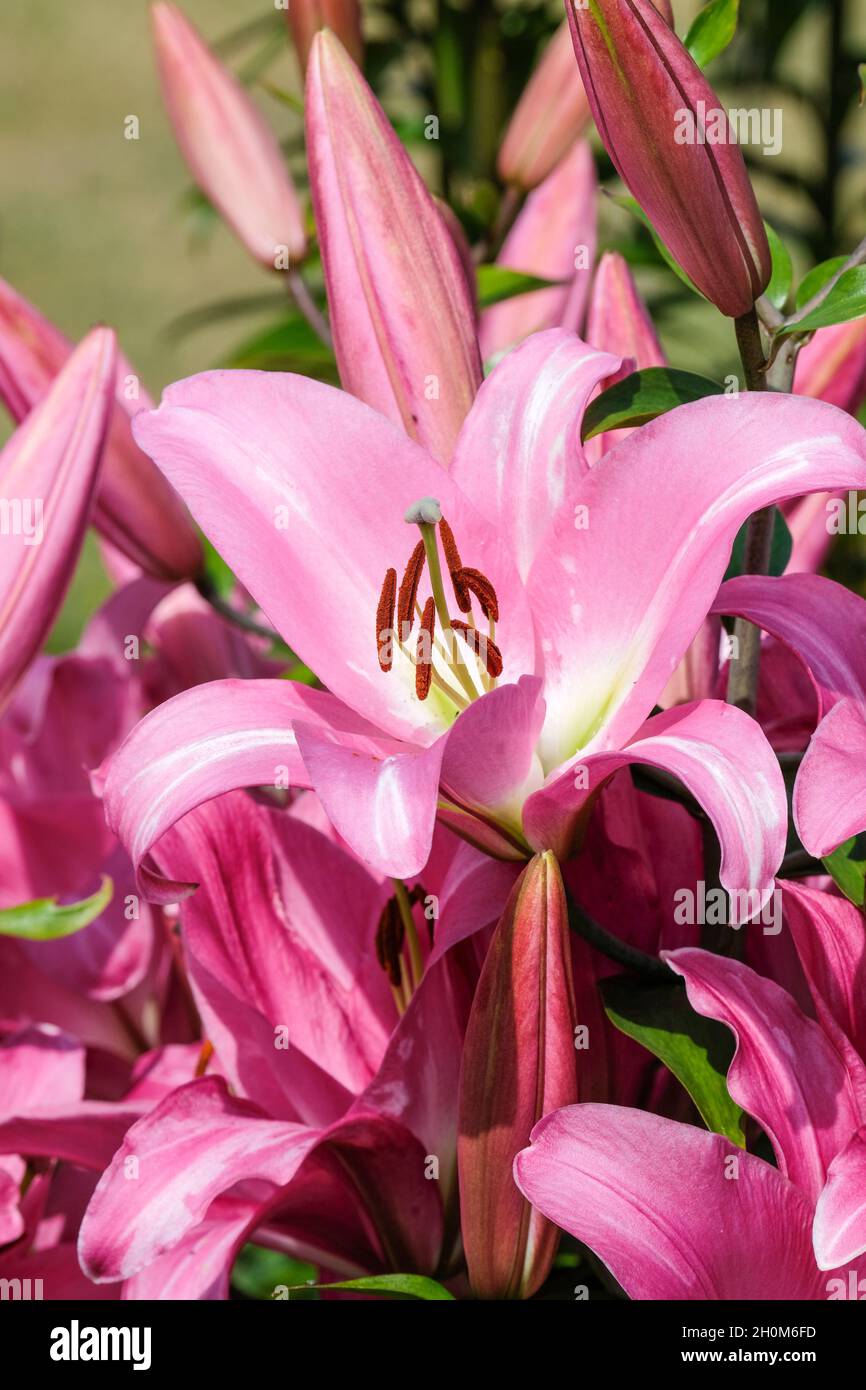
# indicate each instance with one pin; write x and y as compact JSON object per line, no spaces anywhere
{"x":385,"y":621}
{"x":455,"y":565}
{"x":483,"y":590}
{"x":203,"y":1058}
{"x":409,"y":590}
{"x":389,"y":942}
{"x":482,"y":645}
{"x":424,"y":653}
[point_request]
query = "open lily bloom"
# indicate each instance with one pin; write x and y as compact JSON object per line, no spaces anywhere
{"x":597,"y":581}
{"x":825,"y":625}
{"x":676,"y":1213}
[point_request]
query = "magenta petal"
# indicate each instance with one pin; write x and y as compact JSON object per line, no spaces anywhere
{"x":205,"y":741}
{"x":831,"y":944}
{"x":619,"y":592}
{"x":830,"y":791}
{"x":383,"y":804}
{"x":839,"y":1231}
{"x":489,"y":761}
{"x":786,"y":1073}
{"x":721,"y":756}
{"x":655,"y":1200}
{"x":519,"y":456}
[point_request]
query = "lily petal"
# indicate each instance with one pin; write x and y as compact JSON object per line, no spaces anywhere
{"x":618,"y":601}
{"x":839,"y":1231}
{"x":653,"y":1198}
{"x":830,"y":791}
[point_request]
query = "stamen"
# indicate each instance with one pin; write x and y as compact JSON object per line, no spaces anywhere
{"x":424,"y":655}
{"x":409,"y":591}
{"x":455,"y":565}
{"x":483,"y":590}
{"x":385,"y":621}
{"x":389,"y":942}
{"x":483,"y":646}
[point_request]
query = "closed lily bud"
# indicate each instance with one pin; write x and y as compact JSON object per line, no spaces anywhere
{"x":136,"y":510}
{"x":550,"y":115}
{"x":230,"y":149}
{"x":518,"y":1065}
{"x":554,"y":237}
{"x":618,"y":322}
{"x":306,"y":17}
{"x":673,"y":145}
{"x":401,"y":312}
{"x":48,"y":476}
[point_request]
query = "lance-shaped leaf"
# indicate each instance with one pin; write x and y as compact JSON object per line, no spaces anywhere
{"x":401,"y":311}
{"x":518,"y":1064}
{"x":672,"y":143}
{"x":48,"y":477}
{"x":307,"y":17}
{"x":230,"y":150}
{"x":45,"y":919}
{"x":136,"y":509}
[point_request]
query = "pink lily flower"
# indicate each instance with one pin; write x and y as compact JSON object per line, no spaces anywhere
{"x":230,"y":150}
{"x":517,"y":733}
{"x":554,"y":237}
{"x":617,"y":1178}
{"x":342,"y":17}
{"x":401,"y":313}
{"x":552,"y":113}
{"x":48,"y":477}
{"x":135,"y":510}
{"x":290,"y":938}
{"x":822,"y":622}
{"x":647,"y":96}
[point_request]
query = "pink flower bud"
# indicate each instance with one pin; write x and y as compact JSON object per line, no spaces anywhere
{"x":401,"y":312}
{"x":306,"y":17}
{"x":519,"y":1063}
{"x":231,"y":151}
{"x":136,"y":508}
{"x":550,"y":115}
{"x":673,"y":145}
{"x":48,"y":476}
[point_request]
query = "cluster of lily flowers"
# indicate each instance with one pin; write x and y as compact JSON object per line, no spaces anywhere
{"x":350,"y":998}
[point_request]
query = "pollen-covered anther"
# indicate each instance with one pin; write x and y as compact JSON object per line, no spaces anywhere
{"x":480,"y":586}
{"x":385,"y":621}
{"x":455,"y":565}
{"x":424,"y":653}
{"x":482,"y":645}
{"x":409,"y":591}
{"x":389,"y":942}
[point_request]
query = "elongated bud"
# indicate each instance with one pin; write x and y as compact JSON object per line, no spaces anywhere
{"x":136,"y":508}
{"x":672,"y":143}
{"x":518,"y":1064}
{"x":230,"y":150}
{"x":306,"y":17}
{"x":618,"y":322}
{"x":554,"y":237}
{"x":48,"y":476}
{"x":400,"y":310}
{"x":550,"y":115}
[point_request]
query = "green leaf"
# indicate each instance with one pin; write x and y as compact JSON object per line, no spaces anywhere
{"x":697,"y":1050}
{"x":289,"y":346}
{"x":817,"y":278}
{"x":625,"y":200}
{"x":780,"y":551}
{"x":846,"y":301}
{"x":280,"y":94}
{"x":497,"y":282}
{"x":47,"y":920}
{"x":644,"y":396}
{"x":219,"y":311}
{"x":847,"y":864}
{"x":216,"y":570}
{"x":403,"y":1286}
{"x":713,"y":30}
{"x":783,"y":270}
{"x":258,"y":1272}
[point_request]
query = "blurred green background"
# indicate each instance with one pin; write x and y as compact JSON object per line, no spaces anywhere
{"x":96,"y":227}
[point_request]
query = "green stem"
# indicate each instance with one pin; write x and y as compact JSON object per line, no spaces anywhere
{"x":404,"y":906}
{"x":612,"y":946}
